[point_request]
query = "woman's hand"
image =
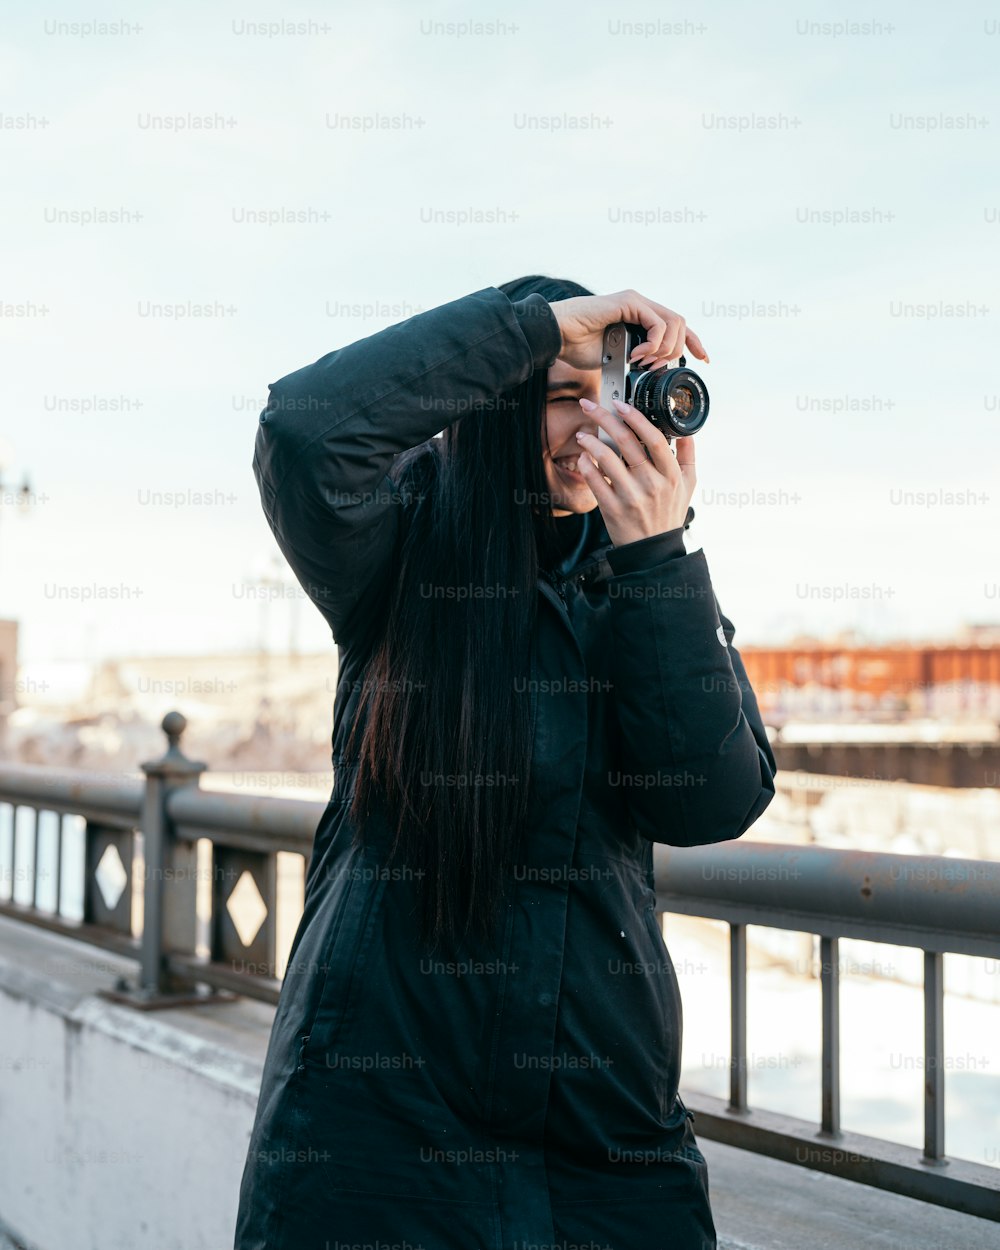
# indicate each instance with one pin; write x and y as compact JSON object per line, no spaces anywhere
{"x":638,"y":495}
{"x":583,"y":320}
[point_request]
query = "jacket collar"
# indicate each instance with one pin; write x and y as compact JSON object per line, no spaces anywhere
{"x":590,"y":557}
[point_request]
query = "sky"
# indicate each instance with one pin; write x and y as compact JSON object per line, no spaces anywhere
{"x":816,"y":189}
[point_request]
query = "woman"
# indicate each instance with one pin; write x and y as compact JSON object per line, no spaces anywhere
{"x":478,"y":1039}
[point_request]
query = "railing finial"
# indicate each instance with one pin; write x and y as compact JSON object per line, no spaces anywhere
{"x":173,"y":725}
{"x":173,"y":763}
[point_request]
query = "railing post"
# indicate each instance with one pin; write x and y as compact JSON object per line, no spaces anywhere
{"x":934,"y":1058}
{"x":738,"y":1018}
{"x":170,"y":878}
{"x":829,"y":948}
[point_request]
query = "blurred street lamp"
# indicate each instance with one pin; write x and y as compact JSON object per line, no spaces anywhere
{"x":21,"y":496}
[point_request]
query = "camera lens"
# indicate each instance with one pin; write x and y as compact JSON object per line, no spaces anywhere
{"x":674,"y":399}
{"x":681,"y":402}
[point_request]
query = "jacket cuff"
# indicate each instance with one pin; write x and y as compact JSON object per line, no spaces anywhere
{"x":540,"y":328}
{"x":644,"y":553}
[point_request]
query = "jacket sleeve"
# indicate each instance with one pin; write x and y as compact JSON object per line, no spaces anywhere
{"x":695,"y":759}
{"x":327,"y":438}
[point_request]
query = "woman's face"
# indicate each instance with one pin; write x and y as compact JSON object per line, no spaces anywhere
{"x":563,"y":417}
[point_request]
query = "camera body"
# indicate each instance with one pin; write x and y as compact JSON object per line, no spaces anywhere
{"x":675,"y":400}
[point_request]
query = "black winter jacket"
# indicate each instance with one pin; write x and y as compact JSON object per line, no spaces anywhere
{"x":532,"y":1101}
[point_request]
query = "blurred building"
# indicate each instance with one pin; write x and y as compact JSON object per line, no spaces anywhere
{"x":8,"y":667}
{"x":847,"y":680}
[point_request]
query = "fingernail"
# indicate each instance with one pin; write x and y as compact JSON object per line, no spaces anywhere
{"x":587,"y":405}
{"x":620,"y":406}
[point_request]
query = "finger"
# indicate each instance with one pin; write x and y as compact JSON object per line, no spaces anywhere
{"x":602,"y":491}
{"x":610,"y":465}
{"x":673,"y":341}
{"x":675,"y":329}
{"x":647,"y":312}
{"x":655,"y":328}
{"x":635,"y":308}
{"x":684,"y":450}
{"x":631,"y":449}
{"x":645,"y":431}
{"x":685,"y":340}
{"x":694,"y":344}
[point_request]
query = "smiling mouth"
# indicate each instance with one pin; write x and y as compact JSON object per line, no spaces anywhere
{"x":568,"y":465}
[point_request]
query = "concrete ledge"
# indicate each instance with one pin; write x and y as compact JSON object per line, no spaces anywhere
{"x":763,"y":1204}
{"x":123,"y":1129}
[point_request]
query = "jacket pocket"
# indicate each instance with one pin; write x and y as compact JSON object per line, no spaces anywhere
{"x":345,"y":956}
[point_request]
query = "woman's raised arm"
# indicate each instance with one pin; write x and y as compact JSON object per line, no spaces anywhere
{"x":330,"y":431}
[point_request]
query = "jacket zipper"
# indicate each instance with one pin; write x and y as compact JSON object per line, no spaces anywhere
{"x":580,"y":573}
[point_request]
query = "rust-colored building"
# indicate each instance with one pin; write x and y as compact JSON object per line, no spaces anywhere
{"x":875,"y":681}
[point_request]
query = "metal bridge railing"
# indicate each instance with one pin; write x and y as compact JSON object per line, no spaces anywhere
{"x":937,"y":904}
{"x":140,"y":837}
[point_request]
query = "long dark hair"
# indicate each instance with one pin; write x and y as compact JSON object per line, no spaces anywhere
{"x":446,"y":741}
